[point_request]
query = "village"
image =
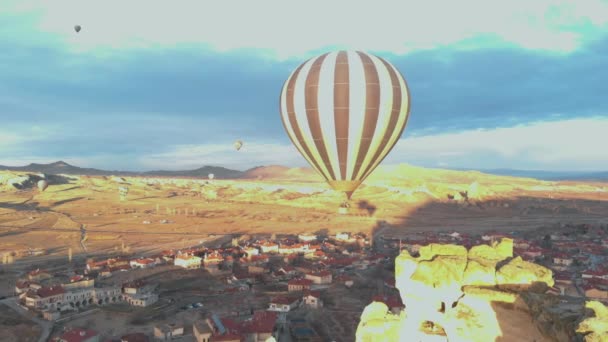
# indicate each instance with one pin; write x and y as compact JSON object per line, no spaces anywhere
{"x":309,"y":287}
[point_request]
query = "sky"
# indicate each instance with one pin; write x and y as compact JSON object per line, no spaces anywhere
{"x":171,"y":85}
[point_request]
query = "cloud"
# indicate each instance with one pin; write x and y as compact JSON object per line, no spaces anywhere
{"x":285,"y":30}
{"x":14,"y":137}
{"x":567,"y":145}
{"x":252,"y":154}
{"x":577,"y":144}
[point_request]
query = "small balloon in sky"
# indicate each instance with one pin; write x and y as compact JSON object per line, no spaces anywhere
{"x":77,"y":28}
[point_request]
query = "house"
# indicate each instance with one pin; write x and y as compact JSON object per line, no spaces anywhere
{"x":562,"y":260}
{"x":79,"y":282}
{"x":259,"y":259}
{"x":224,"y":329}
{"x":594,"y":275}
{"x":78,"y":335}
{"x":142,"y":300}
{"x":283,"y":304}
{"x":343,"y":236}
{"x":202,"y":331}
{"x":187,"y":261}
{"x":299,"y":284}
{"x":135,"y":337}
{"x":45,"y":298}
{"x":38,"y":275}
{"x":143,"y":263}
{"x":269,"y":247}
{"x":307,"y":237}
{"x":323,"y":277}
{"x":22,"y":287}
{"x":167,"y":332}
{"x":287,"y":270}
{"x":138,"y":287}
{"x":312,"y":299}
{"x":252,"y":269}
{"x":251,"y":251}
{"x":213,"y":260}
{"x":261,"y":326}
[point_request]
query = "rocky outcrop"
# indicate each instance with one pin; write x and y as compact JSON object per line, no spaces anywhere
{"x":452,"y":289}
{"x":595,"y":328}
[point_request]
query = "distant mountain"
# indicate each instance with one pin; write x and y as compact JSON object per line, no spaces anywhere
{"x":218,"y":172}
{"x":546,"y":175}
{"x":57,"y":168}
{"x":284,"y":173}
{"x":62,"y":167}
{"x":281,"y":173}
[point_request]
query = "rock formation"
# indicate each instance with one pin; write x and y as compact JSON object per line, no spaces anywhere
{"x":595,"y":328}
{"x":454,"y":294}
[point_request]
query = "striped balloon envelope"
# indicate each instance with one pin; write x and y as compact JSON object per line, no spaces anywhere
{"x":344,"y":111}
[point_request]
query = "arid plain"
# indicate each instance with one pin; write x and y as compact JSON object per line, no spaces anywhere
{"x":161,"y":213}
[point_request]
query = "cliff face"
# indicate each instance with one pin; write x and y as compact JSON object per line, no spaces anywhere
{"x":482,"y":294}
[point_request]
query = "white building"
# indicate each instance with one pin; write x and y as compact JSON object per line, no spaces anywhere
{"x":312,"y":300}
{"x":142,"y":300}
{"x":343,"y":236}
{"x":57,"y":298}
{"x":269,"y":247}
{"x":283,"y":304}
{"x":188,"y":261}
{"x":307,"y":238}
{"x":250,"y":251}
{"x":142,"y":263}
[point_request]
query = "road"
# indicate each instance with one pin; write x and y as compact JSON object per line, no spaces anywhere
{"x":44,"y":325}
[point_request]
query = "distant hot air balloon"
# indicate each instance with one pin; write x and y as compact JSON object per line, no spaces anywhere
{"x":42,"y":185}
{"x":77,"y":28}
{"x":344,"y":111}
{"x":238,"y":144}
{"x":211,"y":176}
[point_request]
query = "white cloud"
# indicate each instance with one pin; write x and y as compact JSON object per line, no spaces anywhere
{"x":578,"y":144}
{"x":15,"y":136}
{"x":252,"y":154}
{"x":292,"y":29}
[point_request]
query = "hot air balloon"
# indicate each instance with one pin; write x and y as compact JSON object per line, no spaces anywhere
{"x":344,"y":111}
{"x":211,"y":176}
{"x":238,"y":144}
{"x":77,"y":28}
{"x":42,"y":185}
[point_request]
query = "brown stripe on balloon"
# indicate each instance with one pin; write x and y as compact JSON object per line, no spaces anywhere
{"x":291,"y":114}
{"x":372,"y":108}
{"x":409,"y":105}
{"x":311,"y":98}
{"x":341,"y":102}
{"x":394,"y":118}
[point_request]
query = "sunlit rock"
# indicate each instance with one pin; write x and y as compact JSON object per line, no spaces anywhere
{"x":480,"y":273}
{"x":448,"y":294}
{"x":377,"y":325}
{"x":520,"y":272}
{"x":595,"y":328}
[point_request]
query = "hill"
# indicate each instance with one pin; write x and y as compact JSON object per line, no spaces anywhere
{"x":61,"y":167}
{"x":278,"y":172}
{"x":601,"y":176}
